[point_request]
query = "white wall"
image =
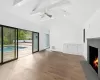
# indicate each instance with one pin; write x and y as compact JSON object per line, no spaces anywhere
{"x":43,"y":31}
{"x":64,"y":31}
{"x":9,"y":19}
{"x":92,"y":29}
{"x":15,"y":21}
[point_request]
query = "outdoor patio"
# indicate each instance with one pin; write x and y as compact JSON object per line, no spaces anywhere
{"x":22,"y":52}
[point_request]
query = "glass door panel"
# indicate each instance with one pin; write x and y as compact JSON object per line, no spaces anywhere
{"x":24,"y":42}
{"x":35,"y":42}
{"x":9,"y":44}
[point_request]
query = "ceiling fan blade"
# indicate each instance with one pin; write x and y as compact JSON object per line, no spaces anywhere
{"x":37,"y":11}
{"x":48,"y":15}
{"x":37,"y":5}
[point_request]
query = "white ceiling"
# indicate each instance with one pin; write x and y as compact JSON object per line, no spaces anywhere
{"x":79,"y":11}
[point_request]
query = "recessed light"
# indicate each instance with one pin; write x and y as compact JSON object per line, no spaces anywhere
{"x":64,"y":15}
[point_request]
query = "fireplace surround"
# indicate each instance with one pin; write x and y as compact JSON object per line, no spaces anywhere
{"x":93,"y":54}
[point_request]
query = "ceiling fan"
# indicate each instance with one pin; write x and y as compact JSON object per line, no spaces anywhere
{"x":46,"y":13}
{"x":57,"y":4}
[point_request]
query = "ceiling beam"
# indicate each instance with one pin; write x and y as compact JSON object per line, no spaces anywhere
{"x":60,"y":3}
{"x":16,"y":2}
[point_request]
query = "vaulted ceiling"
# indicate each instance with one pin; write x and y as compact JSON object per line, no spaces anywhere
{"x":77,"y":11}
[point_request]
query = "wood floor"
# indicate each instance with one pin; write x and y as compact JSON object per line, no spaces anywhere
{"x":44,"y":66}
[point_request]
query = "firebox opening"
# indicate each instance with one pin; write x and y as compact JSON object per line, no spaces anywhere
{"x":93,"y":57}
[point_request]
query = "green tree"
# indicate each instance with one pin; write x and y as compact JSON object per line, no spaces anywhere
{"x":21,"y":35}
{"x":8,"y":35}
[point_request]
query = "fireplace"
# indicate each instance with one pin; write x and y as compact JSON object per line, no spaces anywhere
{"x":93,"y":57}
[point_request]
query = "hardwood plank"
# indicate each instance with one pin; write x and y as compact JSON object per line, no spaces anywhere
{"x":44,"y":66}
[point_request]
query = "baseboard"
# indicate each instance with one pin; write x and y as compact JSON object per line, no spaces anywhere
{"x":57,"y":51}
{"x":44,"y":49}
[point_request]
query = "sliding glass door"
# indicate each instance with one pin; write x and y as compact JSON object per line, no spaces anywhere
{"x":24,"y":43}
{"x":35,"y":41}
{"x":9,"y":44}
{"x":13,"y":40}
